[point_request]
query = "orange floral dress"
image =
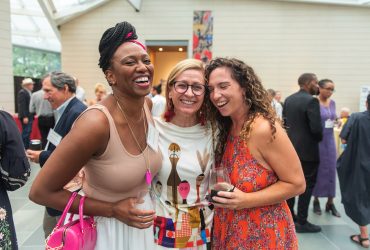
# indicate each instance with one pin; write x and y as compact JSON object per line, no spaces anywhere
{"x":266,"y":227}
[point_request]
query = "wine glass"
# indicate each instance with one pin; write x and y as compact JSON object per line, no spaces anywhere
{"x":219,"y":181}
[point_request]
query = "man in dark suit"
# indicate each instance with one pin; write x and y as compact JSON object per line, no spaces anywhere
{"x":303,"y":122}
{"x":59,"y":89}
{"x":24,"y":115}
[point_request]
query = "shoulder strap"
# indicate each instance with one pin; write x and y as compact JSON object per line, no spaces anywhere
{"x":148,"y":114}
{"x":95,"y":106}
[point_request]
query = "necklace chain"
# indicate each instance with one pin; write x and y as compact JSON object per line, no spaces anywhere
{"x":146,"y":159}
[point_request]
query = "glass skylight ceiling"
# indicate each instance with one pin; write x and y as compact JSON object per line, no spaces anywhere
{"x":34,"y":22}
{"x":32,"y":28}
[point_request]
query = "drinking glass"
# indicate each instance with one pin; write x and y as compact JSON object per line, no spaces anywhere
{"x":145,"y":199}
{"x":35,"y":145}
{"x":219,"y":181}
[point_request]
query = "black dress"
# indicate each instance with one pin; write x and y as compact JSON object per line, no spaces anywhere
{"x":11,"y":154}
{"x":354,"y":168}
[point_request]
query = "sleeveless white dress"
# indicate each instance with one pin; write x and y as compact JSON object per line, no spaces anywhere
{"x":116,"y":175}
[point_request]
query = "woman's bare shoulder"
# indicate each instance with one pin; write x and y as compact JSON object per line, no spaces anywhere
{"x":93,"y":120}
{"x":261,"y":126}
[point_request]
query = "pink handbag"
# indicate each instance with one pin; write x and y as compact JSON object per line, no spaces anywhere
{"x":79,"y":234}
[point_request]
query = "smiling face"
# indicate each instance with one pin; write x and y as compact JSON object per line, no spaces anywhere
{"x":225,"y":93}
{"x":131,"y":71}
{"x":188,"y":104}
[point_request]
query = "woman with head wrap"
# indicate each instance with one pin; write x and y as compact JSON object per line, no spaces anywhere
{"x":110,"y":141}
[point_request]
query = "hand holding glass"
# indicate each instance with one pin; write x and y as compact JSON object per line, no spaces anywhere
{"x":219,"y":181}
{"x":145,"y":200}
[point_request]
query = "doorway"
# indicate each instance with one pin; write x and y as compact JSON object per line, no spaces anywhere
{"x":164,"y":56}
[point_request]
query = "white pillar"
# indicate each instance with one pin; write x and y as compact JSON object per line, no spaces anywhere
{"x":6,"y":59}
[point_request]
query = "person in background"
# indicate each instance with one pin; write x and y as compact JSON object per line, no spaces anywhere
{"x":44,"y":113}
{"x":24,"y":115}
{"x":275,"y":104}
{"x":343,"y":116}
{"x":159,"y":101}
{"x":59,"y":89}
{"x":301,"y":113}
{"x":354,"y":172}
{"x":80,"y":92}
{"x":13,"y":157}
{"x":255,"y":214}
{"x":100,"y":93}
{"x":326,"y":175}
{"x":278,"y":97}
{"x":110,"y":142}
{"x":182,"y":183}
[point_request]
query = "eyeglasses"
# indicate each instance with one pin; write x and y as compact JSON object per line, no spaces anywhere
{"x":330,"y":89}
{"x":182,"y":87}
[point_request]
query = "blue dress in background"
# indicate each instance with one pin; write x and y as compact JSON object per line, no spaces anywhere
{"x":326,"y":176}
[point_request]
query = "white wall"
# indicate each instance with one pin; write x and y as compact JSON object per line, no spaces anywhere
{"x":280,"y":40}
{"x":6,"y":68}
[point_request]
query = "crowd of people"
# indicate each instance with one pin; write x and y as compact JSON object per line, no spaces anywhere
{"x":211,"y":117}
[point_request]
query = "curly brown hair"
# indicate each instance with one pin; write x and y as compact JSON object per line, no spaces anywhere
{"x":256,"y":98}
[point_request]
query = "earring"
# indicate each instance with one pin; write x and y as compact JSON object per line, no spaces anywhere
{"x":202,"y":118}
{"x":170,"y":113}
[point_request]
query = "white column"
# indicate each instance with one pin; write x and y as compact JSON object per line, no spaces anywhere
{"x":6,"y":58}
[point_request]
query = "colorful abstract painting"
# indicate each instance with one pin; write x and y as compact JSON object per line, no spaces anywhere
{"x":202,"y":35}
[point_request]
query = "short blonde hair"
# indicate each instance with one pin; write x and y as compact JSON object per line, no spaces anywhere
{"x":100,"y":87}
{"x":179,"y":68}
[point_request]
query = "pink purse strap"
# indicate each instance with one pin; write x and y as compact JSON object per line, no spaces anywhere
{"x":81,"y":212}
{"x":66,"y":209}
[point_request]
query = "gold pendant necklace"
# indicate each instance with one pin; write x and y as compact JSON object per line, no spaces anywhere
{"x":148,"y":174}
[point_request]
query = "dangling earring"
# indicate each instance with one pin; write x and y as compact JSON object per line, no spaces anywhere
{"x":202,"y":118}
{"x":170,"y":113}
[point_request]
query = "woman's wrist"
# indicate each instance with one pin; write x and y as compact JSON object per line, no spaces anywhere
{"x":246,"y":201}
{"x":111,"y":211}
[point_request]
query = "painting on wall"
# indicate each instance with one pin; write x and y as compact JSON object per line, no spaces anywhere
{"x":202,"y":35}
{"x":365,"y":90}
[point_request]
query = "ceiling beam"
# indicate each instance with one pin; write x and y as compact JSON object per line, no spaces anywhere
{"x":47,"y":9}
{"x":51,"y":5}
{"x":136,"y":4}
{"x":360,"y":3}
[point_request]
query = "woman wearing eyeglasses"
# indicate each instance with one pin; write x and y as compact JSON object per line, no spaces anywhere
{"x":183,"y":215}
{"x":326,"y":176}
